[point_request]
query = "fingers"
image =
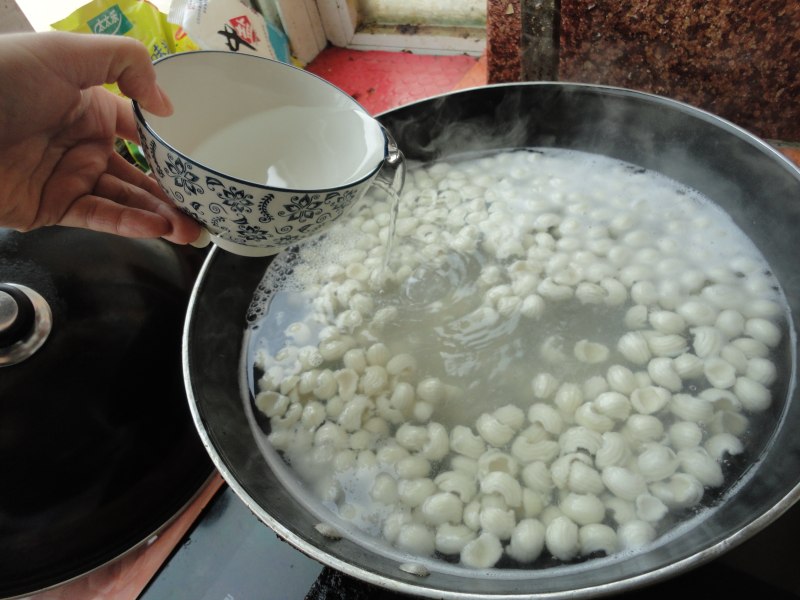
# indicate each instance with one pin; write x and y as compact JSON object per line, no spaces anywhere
{"x":128,"y":186}
{"x":89,"y":60}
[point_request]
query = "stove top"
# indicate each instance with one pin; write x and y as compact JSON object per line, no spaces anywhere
{"x":230,"y":555}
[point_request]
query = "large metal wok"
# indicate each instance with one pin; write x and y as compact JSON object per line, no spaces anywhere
{"x":757,"y":186}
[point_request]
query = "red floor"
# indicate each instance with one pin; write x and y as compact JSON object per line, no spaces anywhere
{"x":384,"y":80}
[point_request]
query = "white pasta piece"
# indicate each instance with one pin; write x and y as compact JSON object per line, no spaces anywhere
{"x":763,"y":330}
{"x":361,"y":440}
{"x":562,"y":467}
{"x":592,"y":387}
{"x":583,"y":508}
{"x":524,"y":285}
{"x":763,"y":308}
{"x":596,"y":537}
{"x":580,"y":437}
{"x":643,"y":428}
{"x":730,"y":323}
{"x":634,"y":535}
{"x":527,"y":448}
{"x":378,"y":355}
{"x":354,"y":413}
{"x":685,"y":434}
{"x":691,"y":408}
{"x":413,"y":467}
{"x":547,"y":416}
{"x":544,"y":385}
{"x":561,"y":538}
{"x":623,"y":482}
{"x":482,"y":552}
{"x":307,"y":382}
{"x":497,"y":520}
{"x":723,"y":444}
{"x":621,"y":511}
{"x":670,"y":294}
{"x":332,"y":350}
{"x":721,"y":399}
{"x":621,"y":379}
{"x":590,"y":352}
{"x":384,"y":489}
{"x":422,"y":411}
{"x":463,"y":441}
{"x":383,"y":317}
{"x":590,"y":293}
{"x":532,"y":306}
{"x":437,"y":445}
{"x":402,"y":397}
{"x":662,"y":371}
{"x":472,"y":515}
{"x":374,"y":380}
{"x":492,"y":430}
{"x":412,"y":437}
{"x":698,"y":463}
{"x":649,"y":508}
{"x":636,"y":317}
{"x":719,"y":372}
{"x":657,"y":462}
{"x":633,"y":346}
{"x":313,"y":415}
{"x":616,"y":292}
{"x":537,"y":477}
{"x":614,"y":405}
{"x":334,"y":406}
{"x":667,"y":322}
{"x":442,"y":507}
{"x":751,"y":348}
{"x":343,"y":460}
{"x":707,"y":341}
{"x":688,"y":366}
{"x":698,"y":312}
{"x":451,"y":539}
{"x":549,"y":514}
{"x":431,"y":389}
{"x":355,"y":359}
{"x":272,"y":404}
{"x":402,"y":365}
{"x":681,"y":491}
{"x":735,"y":357}
{"x":416,"y":539}
{"x":753,"y":395}
{"x":326,"y":385}
{"x":510,"y":415}
{"x":330,"y":434}
{"x":650,"y":399}
{"x":459,"y":483}
{"x":665,"y":344}
{"x":761,"y":370}
{"x":588,"y":417}
{"x":613,"y":451}
{"x":567,"y":400}
{"x":498,"y":482}
{"x":385,"y":410}
{"x":495,"y":460}
{"x":723,"y":295}
{"x":348,"y":320}
{"x":532,"y":503}
{"x":347,"y":380}
{"x":527,"y":541}
{"x":644,"y":293}
{"x":413,"y":492}
{"x":377,"y":426}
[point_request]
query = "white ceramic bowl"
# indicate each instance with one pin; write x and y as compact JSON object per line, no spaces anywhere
{"x":261,"y":153}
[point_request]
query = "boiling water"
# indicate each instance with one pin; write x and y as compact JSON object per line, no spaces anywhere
{"x":303,"y":148}
{"x":500,"y":268}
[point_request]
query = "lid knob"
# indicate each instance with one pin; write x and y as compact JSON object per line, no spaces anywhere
{"x":25,"y":322}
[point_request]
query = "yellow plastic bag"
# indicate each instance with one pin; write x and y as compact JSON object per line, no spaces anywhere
{"x":132,"y":18}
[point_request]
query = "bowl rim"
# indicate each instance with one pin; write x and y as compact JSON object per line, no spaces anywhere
{"x":141,"y":120}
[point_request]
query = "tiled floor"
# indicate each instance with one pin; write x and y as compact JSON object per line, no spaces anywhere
{"x":384,"y":80}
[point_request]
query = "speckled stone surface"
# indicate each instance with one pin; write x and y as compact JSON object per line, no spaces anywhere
{"x":738,"y":59}
{"x":503,"y":33}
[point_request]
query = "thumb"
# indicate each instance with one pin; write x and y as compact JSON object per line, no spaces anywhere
{"x":90,"y":60}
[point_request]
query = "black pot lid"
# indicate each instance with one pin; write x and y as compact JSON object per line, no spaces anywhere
{"x":97,"y":447}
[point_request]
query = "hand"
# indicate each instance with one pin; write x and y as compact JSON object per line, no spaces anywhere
{"x":57,"y":131}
